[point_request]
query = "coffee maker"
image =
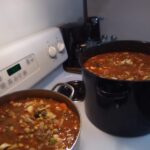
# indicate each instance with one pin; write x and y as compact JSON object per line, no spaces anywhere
{"x":79,"y":36}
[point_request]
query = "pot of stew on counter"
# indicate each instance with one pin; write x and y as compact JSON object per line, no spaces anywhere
{"x":38,"y":120}
{"x":117,"y":81}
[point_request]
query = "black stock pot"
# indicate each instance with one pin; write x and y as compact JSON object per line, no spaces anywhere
{"x":118,"y":107}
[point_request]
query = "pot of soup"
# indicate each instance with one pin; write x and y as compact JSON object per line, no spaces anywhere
{"x":38,"y":120}
{"x":117,"y":81}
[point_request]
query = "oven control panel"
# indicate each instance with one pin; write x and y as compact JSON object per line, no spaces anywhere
{"x":18,"y":72}
{"x":24,"y":63}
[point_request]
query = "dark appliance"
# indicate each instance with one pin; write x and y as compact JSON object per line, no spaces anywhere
{"x":73,"y":35}
{"x":78,"y":37}
{"x":119,"y":107}
{"x":93,"y":28}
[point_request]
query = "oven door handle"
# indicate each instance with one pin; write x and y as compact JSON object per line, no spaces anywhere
{"x":59,"y":85}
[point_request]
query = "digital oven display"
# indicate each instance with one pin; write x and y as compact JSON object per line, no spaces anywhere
{"x":14,"y":69}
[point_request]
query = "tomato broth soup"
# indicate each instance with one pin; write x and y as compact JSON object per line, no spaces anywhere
{"x":37,"y":124}
{"x":120,"y":65}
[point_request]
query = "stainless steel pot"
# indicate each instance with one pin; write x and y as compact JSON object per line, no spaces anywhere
{"x":44,"y":94}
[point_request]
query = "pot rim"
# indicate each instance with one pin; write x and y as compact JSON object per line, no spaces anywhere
{"x":64,"y":99}
{"x":81,"y":55}
{"x":115,"y":80}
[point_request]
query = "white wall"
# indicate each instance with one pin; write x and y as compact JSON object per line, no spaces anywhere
{"x":128,"y":19}
{"x":19,"y":18}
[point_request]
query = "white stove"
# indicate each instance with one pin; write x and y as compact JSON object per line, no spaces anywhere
{"x":36,"y":62}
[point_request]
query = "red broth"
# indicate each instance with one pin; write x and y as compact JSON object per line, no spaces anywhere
{"x":120,"y":65}
{"x":37,"y":124}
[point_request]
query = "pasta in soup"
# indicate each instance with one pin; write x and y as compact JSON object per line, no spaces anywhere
{"x":37,"y":124}
{"x":120,"y":65}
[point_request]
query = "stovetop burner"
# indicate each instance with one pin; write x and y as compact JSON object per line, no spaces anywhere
{"x":75,"y":90}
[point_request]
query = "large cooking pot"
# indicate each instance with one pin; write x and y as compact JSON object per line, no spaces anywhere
{"x":117,"y":107}
{"x":38,"y":93}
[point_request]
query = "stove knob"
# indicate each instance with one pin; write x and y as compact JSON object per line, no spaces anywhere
{"x":52,"y":52}
{"x":60,"y":47}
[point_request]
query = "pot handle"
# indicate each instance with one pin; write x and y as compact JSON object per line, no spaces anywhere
{"x":59,"y":85}
{"x":111,"y":95}
{"x":107,"y":98}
